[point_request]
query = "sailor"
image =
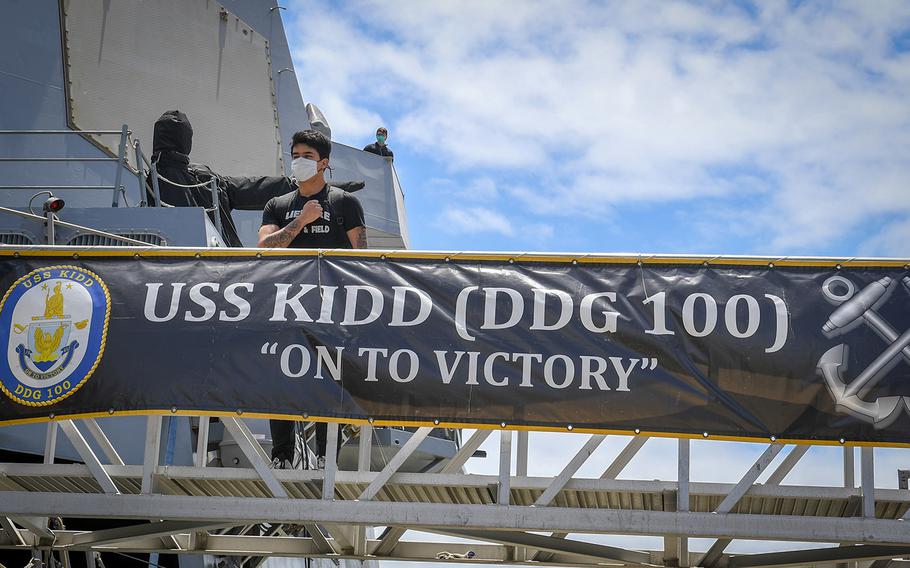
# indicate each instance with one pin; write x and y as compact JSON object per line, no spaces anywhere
{"x":171,"y":146}
{"x":313,"y":215}
{"x":380,"y":147}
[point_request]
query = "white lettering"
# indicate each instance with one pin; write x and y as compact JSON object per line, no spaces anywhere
{"x":198,"y":298}
{"x":233,"y":298}
{"x":371,"y":361}
{"x":540,"y":309}
{"x":753,"y":316}
{"x":587,"y":373}
{"x":282,"y":302}
{"x":334,"y":367}
{"x":473,"y":356}
{"x":623,"y":373}
{"x":782,"y":324}
{"x":285,"y":361}
{"x":587,"y":318}
{"x":350,"y":305}
{"x":688,"y":314}
{"x":548,"y":371}
{"x":151,"y":301}
{"x":489,"y":308}
{"x":488,"y":369}
{"x":413,"y":366}
{"x":445,"y":371}
{"x":526,"y":359}
{"x":660,"y":314}
{"x":328,"y":300}
{"x":461,"y":313}
{"x":398,"y":303}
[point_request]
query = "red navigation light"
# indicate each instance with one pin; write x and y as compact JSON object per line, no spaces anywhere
{"x":53,"y":205}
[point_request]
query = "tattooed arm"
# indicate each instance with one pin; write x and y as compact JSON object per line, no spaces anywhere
{"x":271,"y":236}
{"x":358,"y":237}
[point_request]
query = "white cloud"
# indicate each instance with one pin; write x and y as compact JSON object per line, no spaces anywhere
{"x":472,"y":220}
{"x":801,"y":113}
{"x":636,"y":101}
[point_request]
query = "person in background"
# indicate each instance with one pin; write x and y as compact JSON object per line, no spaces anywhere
{"x":313,"y":215}
{"x":172,"y":142}
{"x":380,"y":147}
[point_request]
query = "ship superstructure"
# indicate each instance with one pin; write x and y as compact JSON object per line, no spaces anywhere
{"x":82,"y":83}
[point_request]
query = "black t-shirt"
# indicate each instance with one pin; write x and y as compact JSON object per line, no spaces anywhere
{"x":379,"y":149}
{"x":340,"y":214}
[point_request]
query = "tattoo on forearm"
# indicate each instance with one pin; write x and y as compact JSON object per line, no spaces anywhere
{"x":283,"y":237}
{"x":278,"y":239}
{"x":362,"y":238}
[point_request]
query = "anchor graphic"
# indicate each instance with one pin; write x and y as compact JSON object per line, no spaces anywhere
{"x":854,"y":308}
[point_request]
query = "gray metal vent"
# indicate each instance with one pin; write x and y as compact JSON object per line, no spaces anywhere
{"x":15,"y":239}
{"x":89,"y":240}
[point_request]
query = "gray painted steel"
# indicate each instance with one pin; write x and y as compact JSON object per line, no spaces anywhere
{"x":130,"y":61}
{"x":32,"y":81}
{"x":502,"y":517}
{"x":180,"y":498}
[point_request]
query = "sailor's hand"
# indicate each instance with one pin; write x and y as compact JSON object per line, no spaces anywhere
{"x":311,"y":211}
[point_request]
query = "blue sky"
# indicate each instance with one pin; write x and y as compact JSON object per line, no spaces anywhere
{"x":772,"y":128}
{"x":743,"y":128}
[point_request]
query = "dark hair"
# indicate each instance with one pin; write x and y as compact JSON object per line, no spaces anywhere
{"x":382,"y":129}
{"x":315,"y":140}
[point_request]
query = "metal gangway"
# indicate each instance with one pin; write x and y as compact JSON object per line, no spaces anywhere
{"x":508,"y":518}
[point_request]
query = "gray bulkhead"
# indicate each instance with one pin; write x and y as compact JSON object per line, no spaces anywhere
{"x":67,"y":67}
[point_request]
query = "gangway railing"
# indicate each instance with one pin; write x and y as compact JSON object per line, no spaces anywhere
{"x":501,"y":515}
{"x":120,"y":159}
{"x":143,"y":161}
{"x":51,"y":221}
{"x":146,"y":172}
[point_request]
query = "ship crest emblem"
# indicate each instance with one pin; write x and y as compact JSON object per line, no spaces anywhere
{"x":55,"y":324}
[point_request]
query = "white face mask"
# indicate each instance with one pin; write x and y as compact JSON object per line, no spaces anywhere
{"x":303,"y":169}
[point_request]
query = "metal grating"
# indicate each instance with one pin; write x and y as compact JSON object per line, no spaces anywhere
{"x":469,"y":490}
{"x":89,"y":240}
{"x":15,"y":239}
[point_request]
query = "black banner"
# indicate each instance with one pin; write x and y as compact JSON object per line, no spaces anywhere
{"x":730,"y":349}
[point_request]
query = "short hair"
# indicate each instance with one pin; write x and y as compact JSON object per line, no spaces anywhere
{"x":315,"y":140}
{"x":382,"y":129}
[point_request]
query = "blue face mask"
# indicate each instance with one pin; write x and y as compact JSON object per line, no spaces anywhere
{"x":380,"y":138}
